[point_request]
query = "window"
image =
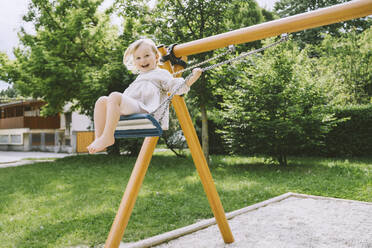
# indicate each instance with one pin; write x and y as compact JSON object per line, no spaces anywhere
{"x":49,"y":139}
{"x":68,"y":119}
{"x":16,"y":139}
{"x":11,"y":139}
{"x":19,"y":111}
{"x":4,"y":139}
{"x":36,"y":139}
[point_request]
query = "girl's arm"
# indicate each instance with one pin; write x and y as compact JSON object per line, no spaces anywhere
{"x":174,"y":83}
{"x":195,"y":75}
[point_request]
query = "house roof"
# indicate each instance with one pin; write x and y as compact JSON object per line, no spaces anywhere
{"x":21,"y":103}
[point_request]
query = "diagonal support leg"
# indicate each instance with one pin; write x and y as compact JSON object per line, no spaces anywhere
{"x":131,"y":192}
{"x":202,"y":168}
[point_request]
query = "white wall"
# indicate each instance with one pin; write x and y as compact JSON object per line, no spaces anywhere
{"x":80,"y":122}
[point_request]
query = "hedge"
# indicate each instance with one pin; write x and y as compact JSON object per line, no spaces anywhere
{"x":352,"y":137}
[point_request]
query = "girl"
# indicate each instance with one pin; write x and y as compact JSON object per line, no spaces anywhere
{"x":144,"y":95}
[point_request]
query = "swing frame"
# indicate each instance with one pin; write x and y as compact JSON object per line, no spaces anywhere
{"x":312,"y":19}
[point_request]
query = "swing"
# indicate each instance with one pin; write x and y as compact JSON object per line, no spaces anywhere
{"x":145,"y":125}
{"x":321,"y":17}
{"x":137,"y":125}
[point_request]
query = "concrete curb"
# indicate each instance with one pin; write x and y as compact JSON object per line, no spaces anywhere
{"x":162,"y":238}
{"x":18,"y":158}
{"x":23,"y":162}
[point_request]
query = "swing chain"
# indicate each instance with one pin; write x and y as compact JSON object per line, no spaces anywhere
{"x":284,"y":37}
{"x":230,"y":49}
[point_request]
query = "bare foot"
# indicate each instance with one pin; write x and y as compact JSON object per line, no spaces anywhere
{"x":100,"y":144}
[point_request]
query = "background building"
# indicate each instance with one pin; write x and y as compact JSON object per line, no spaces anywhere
{"x":23,"y":129}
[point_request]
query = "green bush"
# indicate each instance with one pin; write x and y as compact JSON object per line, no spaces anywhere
{"x":351,"y":137}
{"x":275,"y":108}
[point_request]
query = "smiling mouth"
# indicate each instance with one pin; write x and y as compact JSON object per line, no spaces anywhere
{"x":144,"y":66}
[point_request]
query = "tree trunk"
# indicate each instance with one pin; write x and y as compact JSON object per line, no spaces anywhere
{"x":205,"y":136}
{"x":282,"y":159}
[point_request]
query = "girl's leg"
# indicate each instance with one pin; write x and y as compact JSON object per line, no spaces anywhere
{"x":100,"y":116}
{"x":112,"y":117}
{"x":130,"y":106}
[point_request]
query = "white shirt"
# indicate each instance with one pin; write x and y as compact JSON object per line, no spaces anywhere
{"x":150,"y":89}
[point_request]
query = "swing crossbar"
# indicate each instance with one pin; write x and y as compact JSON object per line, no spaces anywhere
{"x":137,"y":125}
{"x":312,"y":19}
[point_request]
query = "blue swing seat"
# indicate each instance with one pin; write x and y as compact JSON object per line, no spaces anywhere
{"x":137,"y":125}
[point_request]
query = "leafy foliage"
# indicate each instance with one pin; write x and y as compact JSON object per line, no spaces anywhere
{"x":351,"y":137}
{"x":9,"y":93}
{"x":191,"y":20}
{"x":285,"y":8}
{"x":183,"y":21}
{"x":274,"y":108}
{"x":343,"y":68}
{"x":75,"y":55}
{"x":273,"y":104}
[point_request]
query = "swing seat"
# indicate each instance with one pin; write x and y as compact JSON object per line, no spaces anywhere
{"x":137,"y":125}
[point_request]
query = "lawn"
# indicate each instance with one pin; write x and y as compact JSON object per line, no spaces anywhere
{"x":73,"y":201}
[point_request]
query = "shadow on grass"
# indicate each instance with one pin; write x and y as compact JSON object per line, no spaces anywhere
{"x":85,"y":230}
{"x":340,"y":178}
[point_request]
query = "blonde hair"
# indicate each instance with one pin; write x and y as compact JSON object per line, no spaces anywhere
{"x":128,"y":54}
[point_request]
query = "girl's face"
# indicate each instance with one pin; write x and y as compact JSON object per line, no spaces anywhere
{"x":144,"y":58}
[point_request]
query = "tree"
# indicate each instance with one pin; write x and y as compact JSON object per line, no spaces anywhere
{"x":343,"y":67}
{"x":7,"y":71}
{"x":183,"y":21}
{"x":9,"y":93}
{"x":285,"y":8}
{"x":137,"y":19}
{"x":275,"y":108}
{"x":75,"y":55}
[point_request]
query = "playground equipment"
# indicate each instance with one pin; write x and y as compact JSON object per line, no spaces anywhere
{"x":321,"y":17}
{"x":138,"y":125}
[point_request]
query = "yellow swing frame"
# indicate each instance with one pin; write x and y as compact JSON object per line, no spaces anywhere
{"x":316,"y":18}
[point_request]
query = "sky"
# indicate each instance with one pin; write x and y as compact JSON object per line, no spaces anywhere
{"x":11,"y":12}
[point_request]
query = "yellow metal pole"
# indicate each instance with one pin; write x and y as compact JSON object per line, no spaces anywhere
{"x":131,"y":193}
{"x":200,"y":161}
{"x":312,"y":19}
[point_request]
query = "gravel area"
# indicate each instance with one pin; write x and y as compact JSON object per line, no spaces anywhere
{"x":294,"y":222}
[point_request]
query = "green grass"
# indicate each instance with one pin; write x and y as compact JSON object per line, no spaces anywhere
{"x":73,"y":201}
{"x":47,"y":159}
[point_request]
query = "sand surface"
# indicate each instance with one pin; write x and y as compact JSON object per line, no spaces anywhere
{"x":292,"y":222}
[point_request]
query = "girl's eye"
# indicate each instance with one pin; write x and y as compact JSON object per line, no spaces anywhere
{"x":138,"y":58}
{"x":147,"y":55}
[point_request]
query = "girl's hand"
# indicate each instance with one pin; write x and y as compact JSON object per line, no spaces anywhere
{"x":195,"y":75}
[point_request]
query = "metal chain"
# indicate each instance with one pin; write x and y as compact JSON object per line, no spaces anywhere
{"x":243,"y":55}
{"x":284,"y":37}
{"x":230,"y":49}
